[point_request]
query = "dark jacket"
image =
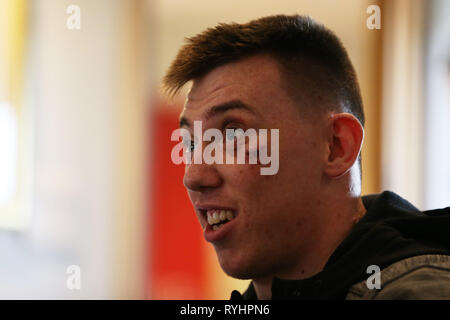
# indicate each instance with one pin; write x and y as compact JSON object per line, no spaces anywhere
{"x":410,"y":247}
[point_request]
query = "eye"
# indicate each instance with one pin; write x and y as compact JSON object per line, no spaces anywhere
{"x":189,"y":143}
{"x":234,"y":133}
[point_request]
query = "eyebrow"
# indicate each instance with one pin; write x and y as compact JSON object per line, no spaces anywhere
{"x":220,"y":109}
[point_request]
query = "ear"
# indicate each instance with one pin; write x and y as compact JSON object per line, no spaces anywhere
{"x":346,"y":136}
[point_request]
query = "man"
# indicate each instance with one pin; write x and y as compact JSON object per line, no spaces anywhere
{"x":304,"y":232}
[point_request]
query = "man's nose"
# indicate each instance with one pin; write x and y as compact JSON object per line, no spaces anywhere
{"x":200,"y":177}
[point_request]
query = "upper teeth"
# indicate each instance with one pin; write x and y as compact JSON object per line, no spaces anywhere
{"x":215,"y":216}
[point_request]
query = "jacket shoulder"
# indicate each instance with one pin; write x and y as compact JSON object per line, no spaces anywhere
{"x":420,"y":277}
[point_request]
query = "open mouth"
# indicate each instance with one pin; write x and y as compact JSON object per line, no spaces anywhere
{"x":218,"y":217}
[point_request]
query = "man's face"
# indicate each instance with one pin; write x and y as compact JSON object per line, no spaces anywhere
{"x":274,"y":214}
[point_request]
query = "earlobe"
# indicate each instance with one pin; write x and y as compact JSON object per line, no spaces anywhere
{"x":345,"y":142}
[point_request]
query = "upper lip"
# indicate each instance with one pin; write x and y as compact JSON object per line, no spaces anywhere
{"x":206,"y":207}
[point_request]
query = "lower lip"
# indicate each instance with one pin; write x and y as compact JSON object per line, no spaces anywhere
{"x":219,"y":234}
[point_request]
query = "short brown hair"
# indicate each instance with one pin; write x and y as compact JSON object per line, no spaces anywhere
{"x":292,"y":41}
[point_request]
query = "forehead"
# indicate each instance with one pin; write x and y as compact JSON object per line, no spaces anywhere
{"x":255,"y":80}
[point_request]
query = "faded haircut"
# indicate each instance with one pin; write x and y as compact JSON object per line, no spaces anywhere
{"x":315,"y":67}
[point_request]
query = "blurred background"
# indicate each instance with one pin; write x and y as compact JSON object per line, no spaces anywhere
{"x":86,"y":178}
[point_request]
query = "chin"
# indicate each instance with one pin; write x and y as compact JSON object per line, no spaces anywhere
{"x":238,"y":267}
{"x":238,"y":273}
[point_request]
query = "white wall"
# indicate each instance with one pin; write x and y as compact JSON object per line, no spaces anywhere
{"x":437,"y":107}
{"x":416,"y":102}
{"x":74,"y":79}
{"x":403,"y":99}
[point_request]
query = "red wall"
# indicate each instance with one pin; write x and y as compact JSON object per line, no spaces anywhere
{"x":177,"y":259}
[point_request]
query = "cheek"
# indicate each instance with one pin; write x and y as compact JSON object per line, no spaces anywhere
{"x":300,"y":162}
{"x":250,"y":190}
{"x":247,"y":184}
{"x":240,"y":176}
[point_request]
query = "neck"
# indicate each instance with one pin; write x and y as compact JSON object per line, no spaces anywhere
{"x":312,"y":261}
